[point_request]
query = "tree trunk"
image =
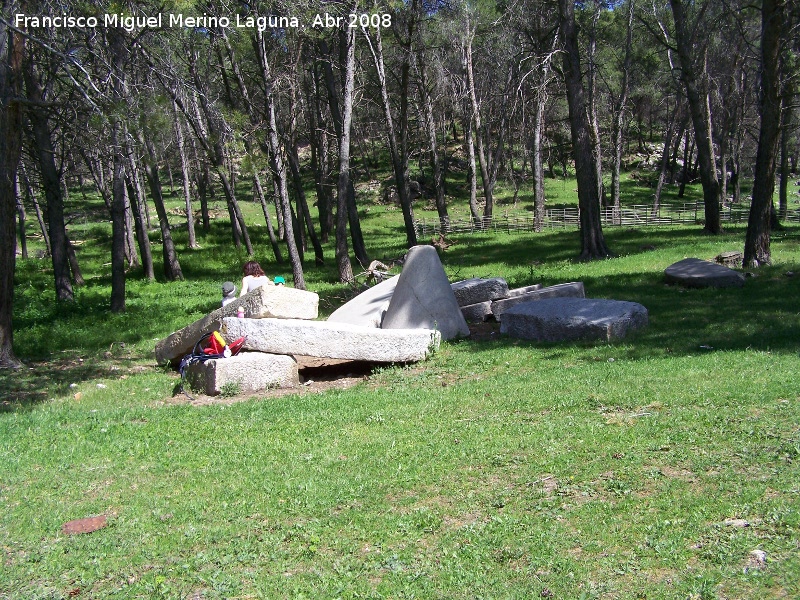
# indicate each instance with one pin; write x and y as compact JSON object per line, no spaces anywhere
{"x":185,"y":178}
{"x":594,"y":126}
{"x":117,"y":221}
{"x":618,"y":128}
{"x":141,"y":232}
{"x":294,"y":166}
{"x":757,"y":240}
{"x":593,"y":243}
{"x":662,"y":173}
{"x":319,"y":160}
{"x":399,"y":154}
{"x":12,"y":47}
{"x":37,"y":209}
{"x":51,"y":181}
{"x":700,"y":109}
{"x":345,"y":121}
{"x":278,"y":168}
{"x":435,"y":159}
{"x":172,"y":268}
{"x":23,"y":242}
{"x":537,"y":162}
{"x":787,"y":127}
{"x":472,"y":175}
{"x":273,"y":240}
{"x":137,"y":200}
{"x":477,"y":133}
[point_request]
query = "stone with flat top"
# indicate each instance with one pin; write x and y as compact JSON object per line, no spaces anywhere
{"x":324,"y":339}
{"x":697,"y":273}
{"x":573,"y":289}
{"x":563,"y":319}
{"x":246,"y":372}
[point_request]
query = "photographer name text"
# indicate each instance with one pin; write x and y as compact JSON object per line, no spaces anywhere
{"x":131,"y":23}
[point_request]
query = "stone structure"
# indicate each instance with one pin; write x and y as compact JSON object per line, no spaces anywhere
{"x":265,"y":302}
{"x":562,"y":319}
{"x":693,"y":272}
{"x":324,"y":339}
{"x":423,"y":297}
{"x":247,"y":372}
{"x":473,"y":291}
{"x":573,"y":289}
{"x":368,"y":308}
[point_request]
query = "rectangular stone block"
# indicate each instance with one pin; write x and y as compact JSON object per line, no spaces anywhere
{"x":473,"y":291}
{"x":265,"y":302}
{"x":573,"y":289}
{"x":478,"y":312}
{"x":325,"y":339}
{"x":522,"y":290}
{"x":245,"y":373}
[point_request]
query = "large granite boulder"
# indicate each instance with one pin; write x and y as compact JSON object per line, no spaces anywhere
{"x":246,"y":372}
{"x":562,"y":319}
{"x":367,"y":309}
{"x":475,"y":290}
{"x":324,"y":339}
{"x":697,"y":273}
{"x":423,"y":297}
{"x":573,"y":289}
{"x":265,"y":302}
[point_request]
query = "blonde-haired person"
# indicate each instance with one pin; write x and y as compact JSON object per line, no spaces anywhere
{"x":254,"y":277}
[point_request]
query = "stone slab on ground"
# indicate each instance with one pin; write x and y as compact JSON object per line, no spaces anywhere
{"x":273,"y":301}
{"x":694,"y":272}
{"x":423,"y":298}
{"x":563,"y":319}
{"x":520,"y":291}
{"x":478,"y":312}
{"x":324,"y":339}
{"x":573,"y":289}
{"x":247,"y":371}
{"x":475,"y":290}
{"x":368,"y":307}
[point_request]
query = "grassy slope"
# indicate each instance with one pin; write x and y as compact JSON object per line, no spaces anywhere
{"x":501,"y":468}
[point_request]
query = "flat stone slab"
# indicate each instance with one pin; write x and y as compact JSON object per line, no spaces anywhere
{"x":247,"y":372}
{"x":477,"y":313}
{"x":423,"y":298}
{"x":475,"y":290}
{"x":324,"y":339}
{"x":564,"y":319}
{"x":367,"y":309}
{"x":697,"y":273}
{"x":573,"y":289}
{"x":265,"y":302}
{"x":520,"y":291}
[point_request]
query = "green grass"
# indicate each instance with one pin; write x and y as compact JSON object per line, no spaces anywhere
{"x":496,"y":469}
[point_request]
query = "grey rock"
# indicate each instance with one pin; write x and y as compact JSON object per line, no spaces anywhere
{"x":324,"y":339}
{"x":477,"y":313}
{"x":367,"y":309}
{"x":423,"y":298}
{"x":573,"y":289}
{"x":520,"y":291}
{"x":249,"y":371}
{"x":694,"y":272}
{"x":265,"y":302}
{"x":561,"y":319}
{"x":475,"y":290}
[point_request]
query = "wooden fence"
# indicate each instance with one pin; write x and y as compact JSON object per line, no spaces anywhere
{"x":561,"y":218}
